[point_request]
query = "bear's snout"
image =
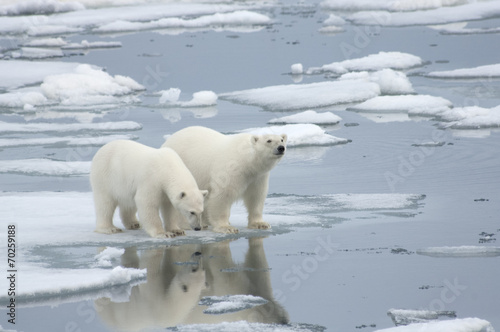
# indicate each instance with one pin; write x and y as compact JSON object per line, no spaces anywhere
{"x":281,"y":149}
{"x":197,"y":228}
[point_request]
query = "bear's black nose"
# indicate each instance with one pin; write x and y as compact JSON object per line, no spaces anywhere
{"x":197,"y":228}
{"x":281,"y":149}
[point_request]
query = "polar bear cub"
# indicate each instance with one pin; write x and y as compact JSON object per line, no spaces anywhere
{"x":140,"y":179}
{"x":231,"y":167}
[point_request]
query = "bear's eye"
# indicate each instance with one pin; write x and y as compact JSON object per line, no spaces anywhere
{"x":269,"y":141}
{"x":193,"y":213}
{"x":282,"y":140}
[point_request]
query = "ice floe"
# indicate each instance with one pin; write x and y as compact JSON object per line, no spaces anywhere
{"x":309,"y":116}
{"x":455,"y":325}
{"x":300,"y":134}
{"x":247,"y":326}
{"x":12,"y":127}
{"x":460,"y":251}
{"x":171,"y":96}
{"x":471,"y":117}
{"x":404,"y":103}
{"x":107,"y":256}
{"x":372,"y":62}
{"x":39,"y":166}
{"x":390,"y":5}
{"x":36,"y":53}
{"x":464,"y":12}
{"x":218,"y":305}
{"x":236,"y":18}
{"x":406,"y":316}
{"x":391,"y":82}
{"x":62,"y":141}
{"x":39,"y":7}
{"x":303,"y":96}
{"x":486,"y":71}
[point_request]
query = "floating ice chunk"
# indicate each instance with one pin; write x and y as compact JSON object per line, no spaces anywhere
{"x":391,"y":82}
{"x":86,"y":85}
{"x":455,"y":325}
{"x":17,"y":73}
{"x":405,"y":316}
{"x":403,"y":104}
{"x":241,"y":17}
{"x":218,"y":305}
{"x":36,"y":53}
{"x":300,"y":134}
{"x":297,"y":69}
{"x":331,"y":29}
{"x":308,"y":117}
{"x":332,"y":24}
{"x":372,"y":62}
{"x":46,"y":42}
{"x":476,"y":72}
{"x":62,"y":141}
{"x":45,"y":167}
{"x":84,"y":44}
{"x":200,"y":98}
{"x":440,"y":15}
{"x":20,"y":99}
{"x":105,"y":257}
{"x":47,"y":30}
{"x":244,"y":326}
{"x":303,"y":96}
{"x":472,"y":117}
{"x":39,"y":7}
{"x":460,"y":251}
{"x":392,"y":5}
{"x":11,"y":127}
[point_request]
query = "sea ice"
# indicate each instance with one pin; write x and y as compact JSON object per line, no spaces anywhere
{"x":36,"y":53}
{"x":300,"y":134}
{"x":455,"y":325}
{"x":391,"y":5}
{"x":309,"y":116}
{"x":200,"y":99}
{"x":11,"y":127}
{"x":39,"y":7}
{"x":372,"y":62}
{"x":460,"y":251}
{"x":406,"y":317}
{"x":472,"y":117}
{"x":63,"y":141}
{"x":297,"y":69}
{"x":38,"y":166}
{"x":244,"y":326}
{"x":405,"y":103}
{"x":303,"y":96}
{"x":486,"y":71}
{"x":106,"y":257}
{"x":218,"y":305}
{"x":391,"y":82}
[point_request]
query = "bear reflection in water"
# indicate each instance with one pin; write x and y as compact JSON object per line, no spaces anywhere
{"x":178,"y":277}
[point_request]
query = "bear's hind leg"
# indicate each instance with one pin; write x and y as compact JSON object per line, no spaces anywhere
{"x":105,"y":209}
{"x":129,"y":218}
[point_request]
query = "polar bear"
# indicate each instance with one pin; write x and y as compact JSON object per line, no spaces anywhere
{"x":138,"y":178}
{"x":231,"y":167}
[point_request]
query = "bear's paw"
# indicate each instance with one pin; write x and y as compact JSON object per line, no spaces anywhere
{"x":259,"y":225}
{"x":226,"y":229}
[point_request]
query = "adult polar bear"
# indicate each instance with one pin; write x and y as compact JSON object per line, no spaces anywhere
{"x":231,"y":167}
{"x":140,"y":179}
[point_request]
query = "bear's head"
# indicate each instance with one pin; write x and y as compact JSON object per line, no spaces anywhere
{"x":190,"y":205}
{"x":270,"y":145}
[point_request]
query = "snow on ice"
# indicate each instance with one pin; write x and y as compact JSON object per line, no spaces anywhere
{"x":455,"y":325}
{"x":403,"y":103}
{"x":62,"y":141}
{"x":107,"y":256}
{"x":406,"y":316}
{"x":486,"y":71}
{"x":38,"y":166}
{"x":309,"y":116}
{"x":300,"y":134}
{"x":12,"y":127}
{"x":218,"y":305}
{"x":171,"y":96}
{"x":460,"y":251}
{"x":244,"y":326}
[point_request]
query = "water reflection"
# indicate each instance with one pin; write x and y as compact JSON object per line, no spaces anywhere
{"x":179,"y":277}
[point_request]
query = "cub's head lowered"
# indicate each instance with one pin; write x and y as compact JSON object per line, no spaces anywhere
{"x":190,"y":205}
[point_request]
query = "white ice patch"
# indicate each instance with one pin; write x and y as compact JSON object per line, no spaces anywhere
{"x":406,"y":317}
{"x":303,"y":96}
{"x":38,"y":7}
{"x":106,"y":257}
{"x":472,"y":117}
{"x":460,"y":251}
{"x":244,"y":326}
{"x":63,"y":141}
{"x":372,"y":62}
{"x":84,"y":44}
{"x":455,"y":325}
{"x":465,"y":12}
{"x":218,"y":305}
{"x":11,"y":127}
{"x":309,"y":116}
{"x":38,"y":166}
{"x":486,"y":71}
{"x":391,"y":82}
{"x":37,"y":53}
{"x":405,"y":103}
{"x":300,"y":134}
{"x":171,"y":96}
{"x":237,"y":18}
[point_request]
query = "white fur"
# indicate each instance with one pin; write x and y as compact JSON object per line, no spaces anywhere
{"x":231,"y":167}
{"x":138,"y":178}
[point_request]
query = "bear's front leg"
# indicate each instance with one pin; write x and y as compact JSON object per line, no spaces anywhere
{"x":171,"y":217}
{"x":254,"y":198}
{"x":218,"y":211}
{"x":149,"y":217}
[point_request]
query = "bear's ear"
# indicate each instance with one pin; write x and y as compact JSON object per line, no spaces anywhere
{"x":254,"y":139}
{"x":284,"y":137}
{"x":204,"y":193}
{"x":182,"y":195}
